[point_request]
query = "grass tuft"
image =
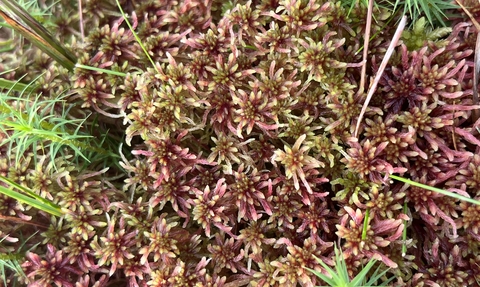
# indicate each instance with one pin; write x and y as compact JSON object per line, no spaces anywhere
{"x":10,"y":261}
{"x":34,"y":123}
{"x":339,"y":277}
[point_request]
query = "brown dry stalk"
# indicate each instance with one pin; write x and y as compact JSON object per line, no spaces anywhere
{"x":80,"y":17}
{"x":366,"y":42}
{"x":476,"y":112}
{"x":383,"y":65}
{"x":18,"y":220}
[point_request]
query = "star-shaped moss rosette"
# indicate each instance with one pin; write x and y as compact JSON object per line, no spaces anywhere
{"x":241,"y":163}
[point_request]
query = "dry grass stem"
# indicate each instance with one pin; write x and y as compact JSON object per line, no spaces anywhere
{"x":388,"y":54}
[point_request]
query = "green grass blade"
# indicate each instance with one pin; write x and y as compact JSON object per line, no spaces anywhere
{"x":341,"y":266}
{"x":38,"y":28}
{"x":136,"y":36}
{"x":441,"y":191}
{"x":12,"y":260}
{"x":48,"y":207}
{"x":37,"y":125}
{"x":376,"y":276}
{"x":29,"y":192}
{"x":360,"y":278}
{"x":31,"y":29}
{"x":16,"y":86}
{"x":365,"y":224}
{"x":329,"y":280}
{"x":110,"y":72}
{"x":2,"y":271}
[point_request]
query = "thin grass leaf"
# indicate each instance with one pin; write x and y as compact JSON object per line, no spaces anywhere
{"x":31,"y":29}
{"x":426,"y":10}
{"x":441,"y":191}
{"x":333,"y":275}
{"x":339,"y":276}
{"x":37,"y":125}
{"x":34,"y":10}
{"x":360,"y":278}
{"x":341,"y":266}
{"x":12,"y":264}
{"x":109,"y":72}
{"x":12,"y":260}
{"x":328,"y":280}
{"x":34,"y":201}
{"x":18,"y":13}
{"x":365,"y":224}
{"x":413,"y":9}
{"x":16,"y":86}
{"x":376,"y":276}
{"x":434,"y":10}
{"x":351,"y":5}
{"x":136,"y":36}
{"x":3,"y":274}
{"x":28,"y":191}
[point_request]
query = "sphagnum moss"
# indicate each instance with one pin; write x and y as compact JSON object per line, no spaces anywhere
{"x":225,"y":109}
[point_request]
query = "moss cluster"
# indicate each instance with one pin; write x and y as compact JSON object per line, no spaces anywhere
{"x":231,"y":160}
